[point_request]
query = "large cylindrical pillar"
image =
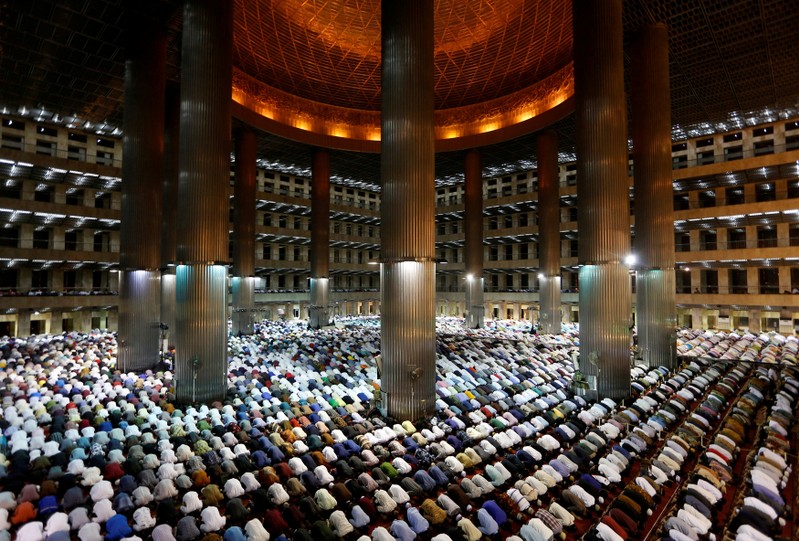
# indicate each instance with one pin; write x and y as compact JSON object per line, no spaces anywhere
{"x":473,"y":246}
{"x":142,"y":175}
{"x":243,"y":283}
{"x":549,"y":232}
{"x":202,"y":221}
{"x":408,"y":210}
{"x":319,"y":311}
{"x":654,"y":209}
{"x":170,"y":202}
{"x":604,"y":214}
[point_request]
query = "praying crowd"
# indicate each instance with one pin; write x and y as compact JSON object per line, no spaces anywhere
{"x":298,"y":451}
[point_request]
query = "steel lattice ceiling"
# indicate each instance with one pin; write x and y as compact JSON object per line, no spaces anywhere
{"x":329,"y":51}
{"x":730,"y":61}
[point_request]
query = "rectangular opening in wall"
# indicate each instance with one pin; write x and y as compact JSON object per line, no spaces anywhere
{"x":13,"y":124}
{"x":76,"y":153}
{"x":8,"y":279}
{"x":707,"y":240}
{"x":41,"y":239}
{"x":736,"y":238}
{"x":13,"y":142}
{"x":733,"y":152}
{"x":40,"y":279}
{"x":793,"y":234}
{"x":738,"y":281}
{"x":769,"y":279}
{"x":710,"y":281}
{"x":71,"y":241}
{"x":701,"y":143}
{"x":11,"y":189}
{"x":764,"y":147}
{"x":682,"y":242}
{"x":765,"y":192}
{"x":734,"y":196}
{"x":681,"y":201}
{"x":679,"y":162}
{"x":730,"y":137}
{"x":9,"y":237}
{"x":707,"y":199}
{"x":767,"y":236}
{"x":47,"y":131}
{"x":683,"y":279}
{"x":706,"y":157}
{"x":44,"y":193}
{"x":105,"y":158}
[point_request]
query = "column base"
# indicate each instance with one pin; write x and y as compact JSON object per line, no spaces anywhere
{"x":656,"y":317}
{"x":407,"y":333}
{"x":605,"y":334}
{"x":139,"y":318}
{"x":475,"y":304}
{"x":168,"y":285}
{"x":243,"y":317}
{"x":319,"y":310}
{"x":200,"y":333}
{"x":549,"y":299}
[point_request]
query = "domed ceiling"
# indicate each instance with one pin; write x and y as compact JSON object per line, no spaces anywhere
{"x":314,"y":66}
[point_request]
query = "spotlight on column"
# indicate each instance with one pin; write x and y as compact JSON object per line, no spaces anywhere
{"x":541,"y":276}
{"x":630,"y":260}
{"x":469,"y":277}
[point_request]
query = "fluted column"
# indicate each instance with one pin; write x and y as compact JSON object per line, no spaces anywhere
{"x":243,"y":282}
{"x":202,"y":221}
{"x":142,"y":174}
{"x":473,"y":249}
{"x":170,"y":202}
{"x":603,"y":219}
{"x":549,"y":232}
{"x":656,"y":308}
{"x":319,"y":311}
{"x":408,"y":210}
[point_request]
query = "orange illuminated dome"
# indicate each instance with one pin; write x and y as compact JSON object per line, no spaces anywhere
{"x":310,"y":70}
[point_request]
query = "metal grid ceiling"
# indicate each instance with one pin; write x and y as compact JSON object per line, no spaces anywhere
{"x":730,"y":60}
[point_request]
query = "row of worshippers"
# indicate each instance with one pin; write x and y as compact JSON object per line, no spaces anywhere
{"x":761,"y":515}
{"x":768,"y":347}
{"x":675,"y":397}
{"x":95,"y":476}
{"x":95,"y":427}
{"x":696,"y":514}
{"x":691,"y":402}
{"x":112,"y":414}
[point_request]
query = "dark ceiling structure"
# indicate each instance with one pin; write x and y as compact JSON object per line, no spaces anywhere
{"x":732,"y":62}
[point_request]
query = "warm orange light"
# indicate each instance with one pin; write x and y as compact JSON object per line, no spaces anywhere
{"x":364,"y":125}
{"x":302,"y":124}
{"x":450,"y":133}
